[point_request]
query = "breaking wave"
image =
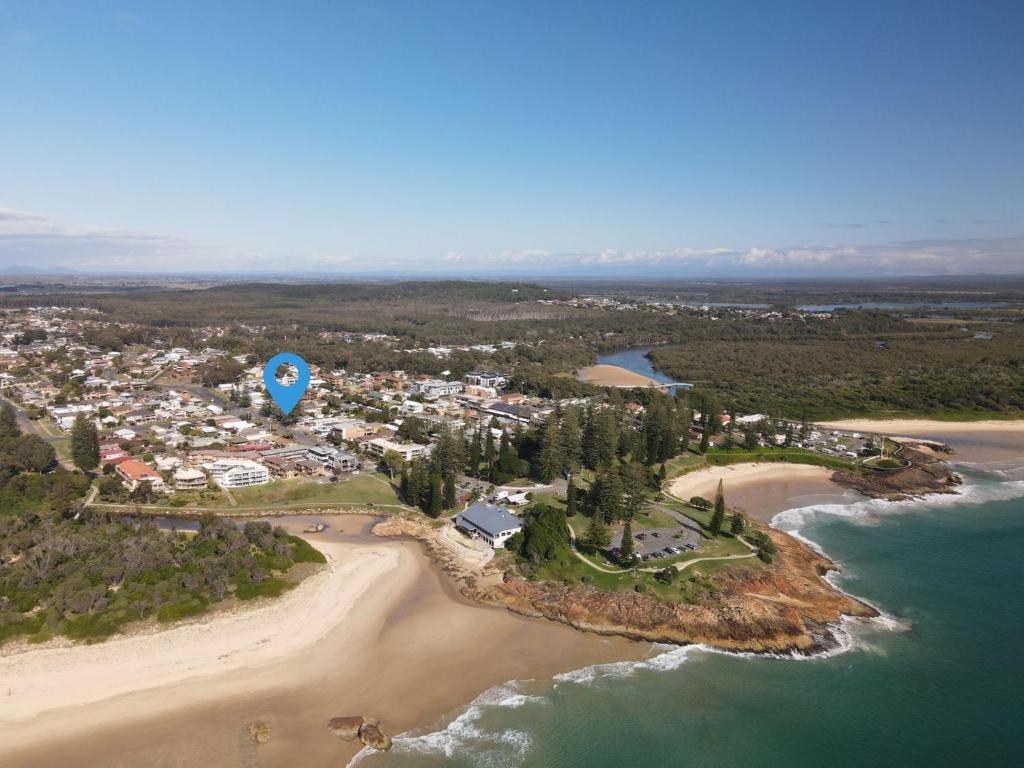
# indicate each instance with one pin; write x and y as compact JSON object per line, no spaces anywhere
{"x":509,"y":747}
{"x":793,"y":520}
{"x":466,"y":735}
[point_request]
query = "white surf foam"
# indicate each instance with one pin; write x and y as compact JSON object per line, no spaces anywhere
{"x":670,"y":657}
{"x":793,"y":520}
{"x":465,"y":734}
{"x":509,"y":747}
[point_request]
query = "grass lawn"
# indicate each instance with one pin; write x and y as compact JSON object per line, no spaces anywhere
{"x":687,"y":587}
{"x":721,"y":456}
{"x":357,"y":490}
{"x":700,"y":516}
{"x":690,"y":462}
{"x":578,"y":523}
{"x":683,"y":463}
{"x":551,"y":499}
{"x":654,"y":518}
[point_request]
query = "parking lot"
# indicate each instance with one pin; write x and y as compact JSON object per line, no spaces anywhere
{"x":652,"y":543}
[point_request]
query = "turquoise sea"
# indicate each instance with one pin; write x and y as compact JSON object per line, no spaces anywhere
{"x":938,"y":681}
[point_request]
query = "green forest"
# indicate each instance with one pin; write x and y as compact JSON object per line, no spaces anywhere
{"x":905,"y":368}
{"x":791,"y":364}
{"x":70,"y":570}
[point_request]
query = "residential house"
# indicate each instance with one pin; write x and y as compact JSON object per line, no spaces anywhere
{"x":134,"y":472}
{"x":186,"y":479}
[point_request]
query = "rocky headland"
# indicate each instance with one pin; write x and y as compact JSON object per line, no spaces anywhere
{"x":779,"y":608}
{"x":926,"y":473}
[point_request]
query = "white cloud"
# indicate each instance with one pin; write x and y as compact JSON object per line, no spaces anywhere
{"x":38,"y":240}
{"x":1005,"y":256}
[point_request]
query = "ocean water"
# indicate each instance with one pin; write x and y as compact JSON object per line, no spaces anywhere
{"x":939,"y":680}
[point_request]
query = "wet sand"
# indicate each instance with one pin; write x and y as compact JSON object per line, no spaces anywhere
{"x":410,"y":652}
{"x":762,"y":500}
{"x":762,"y":490}
{"x":974,"y":441}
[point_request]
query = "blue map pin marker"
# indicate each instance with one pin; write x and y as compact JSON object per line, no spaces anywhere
{"x":286,"y":397}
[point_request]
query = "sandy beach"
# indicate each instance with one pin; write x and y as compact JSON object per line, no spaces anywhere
{"x":614,"y":376}
{"x":763,"y":489}
{"x":378,"y":633}
{"x":986,"y":442}
{"x":924,"y":427}
{"x":37,"y":681}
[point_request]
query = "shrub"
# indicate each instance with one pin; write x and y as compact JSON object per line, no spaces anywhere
{"x":272,"y":587}
{"x":304,"y":552}
{"x":667,"y":575}
{"x":180,"y":610}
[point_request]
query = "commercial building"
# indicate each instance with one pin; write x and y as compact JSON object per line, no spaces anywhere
{"x":438,"y":387}
{"x":408,"y":451}
{"x":486,"y":379}
{"x":238,"y":473}
{"x":492,"y":524}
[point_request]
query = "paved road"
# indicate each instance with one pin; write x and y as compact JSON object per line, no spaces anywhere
{"x":31,"y":427}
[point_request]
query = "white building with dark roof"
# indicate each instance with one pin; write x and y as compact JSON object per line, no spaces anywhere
{"x":488,"y":522}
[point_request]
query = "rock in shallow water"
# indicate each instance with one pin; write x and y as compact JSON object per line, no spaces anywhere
{"x":346,"y":728}
{"x":260,"y":732}
{"x":372,"y":736}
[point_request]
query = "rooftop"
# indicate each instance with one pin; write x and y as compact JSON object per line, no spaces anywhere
{"x":489,"y":518}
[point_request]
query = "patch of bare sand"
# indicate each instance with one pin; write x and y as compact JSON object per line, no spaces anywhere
{"x":992,"y":441}
{"x":403,"y":647}
{"x":614,"y":376}
{"x":762,"y":490}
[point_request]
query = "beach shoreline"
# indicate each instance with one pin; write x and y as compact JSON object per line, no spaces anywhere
{"x":176,"y":703}
{"x":924,"y":427}
{"x":761,"y":489}
{"x":71,"y":676}
{"x":359,"y":662}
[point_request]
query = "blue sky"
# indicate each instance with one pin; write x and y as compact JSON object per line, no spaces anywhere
{"x":474,"y":137}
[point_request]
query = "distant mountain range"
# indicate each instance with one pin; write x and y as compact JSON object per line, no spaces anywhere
{"x":20,"y":269}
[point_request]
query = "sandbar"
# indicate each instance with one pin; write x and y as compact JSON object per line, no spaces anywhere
{"x":614,"y":376}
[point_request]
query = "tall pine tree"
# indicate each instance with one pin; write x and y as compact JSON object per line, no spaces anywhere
{"x":436,"y":498}
{"x":718,"y":516}
{"x":550,"y":458}
{"x":85,"y":444}
{"x":627,"y":543}
{"x":597,"y":536}
{"x":571,"y":439}
{"x":449,"y":491}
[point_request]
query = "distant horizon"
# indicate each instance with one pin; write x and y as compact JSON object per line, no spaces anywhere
{"x":633,"y":278}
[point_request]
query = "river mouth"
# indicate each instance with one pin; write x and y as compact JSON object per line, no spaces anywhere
{"x":628,"y":368}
